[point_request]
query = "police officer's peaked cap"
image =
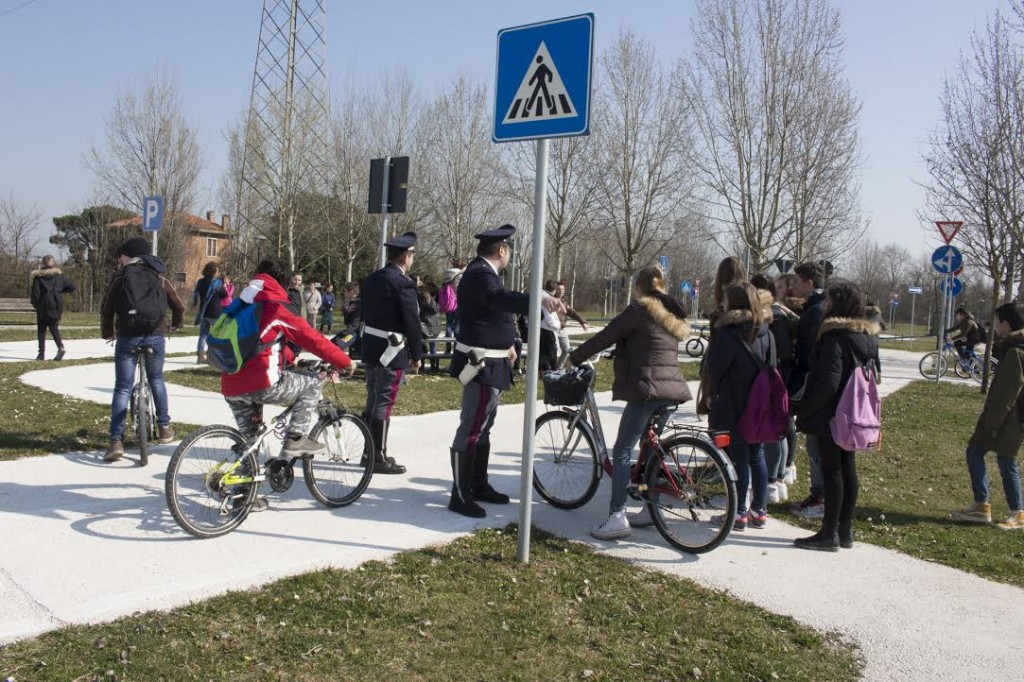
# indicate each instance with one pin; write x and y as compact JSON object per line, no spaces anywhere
{"x":498,"y":234}
{"x":403,"y":242}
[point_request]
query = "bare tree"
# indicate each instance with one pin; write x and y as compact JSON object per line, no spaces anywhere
{"x":19,"y":224}
{"x":972,"y":159}
{"x":643,"y":131}
{"x":150,"y":148}
{"x":777,"y":125}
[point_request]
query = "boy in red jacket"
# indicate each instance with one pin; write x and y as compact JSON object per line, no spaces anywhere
{"x":265,"y":378}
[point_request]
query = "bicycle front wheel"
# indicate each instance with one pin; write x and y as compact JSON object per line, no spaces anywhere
{"x":695,"y":348}
{"x":339,"y":476}
{"x":681,"y":481}
{"x":565,"y":464}
{"x":933,"y":365}
{"x":143,"y":423}
{"x":201,"y":487}
{"x":961,"y":369}
{"x":978,"y":368}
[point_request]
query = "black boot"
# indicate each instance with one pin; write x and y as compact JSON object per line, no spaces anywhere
{"x":482,"y":489}
{"x":462,"y":499}
{"x":824,"y":540}
{"x":846,"y":537}
{"x":382,"y":464}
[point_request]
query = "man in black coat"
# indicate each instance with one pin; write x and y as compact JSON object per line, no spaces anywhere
{"x":392,"y":341}
{"x":483,"y":359}
{"x":48,"y":288}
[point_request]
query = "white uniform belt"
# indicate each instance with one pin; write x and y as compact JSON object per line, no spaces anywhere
{"x":485,"y":352}
{"x":382,"y":334}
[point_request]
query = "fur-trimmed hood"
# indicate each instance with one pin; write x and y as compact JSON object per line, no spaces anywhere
{"x":766,"y":299}
{"x":1005,"y":343}
{"x":665,"y":318}
{"x":43,"y":272}
{"x":794,"y":304}
{"x":731,"y":317}
{"x":850,"y":324}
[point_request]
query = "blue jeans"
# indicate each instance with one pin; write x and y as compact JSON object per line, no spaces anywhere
{"x":124,"y":378}
{"x":1008,"y":471}
{"x":775,"y":455}
{"x":748,"y":458}
{"x":204,"y":331}
{"x":634,"y":420}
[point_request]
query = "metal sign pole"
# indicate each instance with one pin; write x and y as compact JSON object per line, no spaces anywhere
{"x":384,"y":212}
{"x":940,"y":332}
{"x":156,"y":240}
{"x":913,"y":301}
{"x":533,"y":346}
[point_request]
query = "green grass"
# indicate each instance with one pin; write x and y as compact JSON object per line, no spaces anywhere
{"x":908,"y":489}
{"x":69,"y":318}
{"x":913,"y":345}
{"x":38,"y":422}
{"x":28,"y":334}
{"x":427,"y":392}
{"x":466,"y":610}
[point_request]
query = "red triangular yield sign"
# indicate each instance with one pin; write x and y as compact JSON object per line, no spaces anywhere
{"x":948,"y":228}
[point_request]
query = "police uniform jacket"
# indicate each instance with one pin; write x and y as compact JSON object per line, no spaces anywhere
{"x":389,"y":303}
{"x":486,"y":320}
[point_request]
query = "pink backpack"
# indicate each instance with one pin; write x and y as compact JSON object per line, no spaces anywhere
{"x":446,"y":299}
{"x":857,"y":423}
{"x":765,"y":418}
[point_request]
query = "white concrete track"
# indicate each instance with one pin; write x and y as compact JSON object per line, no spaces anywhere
{"x":82,"y":541}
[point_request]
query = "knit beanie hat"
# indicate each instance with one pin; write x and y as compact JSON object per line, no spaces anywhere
{"x":135,"y":247}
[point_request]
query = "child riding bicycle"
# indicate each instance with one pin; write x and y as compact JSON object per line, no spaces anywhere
{"x":966,"y":333}
{"x":267,"y":377}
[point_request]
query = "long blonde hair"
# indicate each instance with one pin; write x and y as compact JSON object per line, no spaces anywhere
{"x":743,"y":296}
{"x":650,"y":280}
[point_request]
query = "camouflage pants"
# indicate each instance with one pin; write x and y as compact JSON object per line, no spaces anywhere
{"x":302,"y":391}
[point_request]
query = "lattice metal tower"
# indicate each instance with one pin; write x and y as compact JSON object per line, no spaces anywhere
{"x":286,"y":136}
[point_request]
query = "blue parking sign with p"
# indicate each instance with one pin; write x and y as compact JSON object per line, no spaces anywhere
{"x":152,"y":213}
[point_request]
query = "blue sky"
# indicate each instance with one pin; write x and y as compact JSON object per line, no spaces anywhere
{"x":64,"y":61}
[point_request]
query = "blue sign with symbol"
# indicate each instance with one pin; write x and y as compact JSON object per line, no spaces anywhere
{"x":958,"y":286}
{"x":947,"y":259}
{"x":152,"y":213}
{"x":686,"y":287}
{"x":663,"y":261}
{"x":542,"y":79}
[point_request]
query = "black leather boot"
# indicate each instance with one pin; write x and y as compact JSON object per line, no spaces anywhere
{"x":482,"y":489}
{"x":382,"y":464}
{"x":462,"y":499}
{"x":825,"y":540}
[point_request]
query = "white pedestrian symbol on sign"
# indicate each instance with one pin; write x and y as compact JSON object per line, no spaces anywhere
{"x":542,"y":95}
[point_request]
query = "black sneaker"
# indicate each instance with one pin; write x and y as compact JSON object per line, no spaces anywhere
{"x":59,"y":356}
{"x":301,"y":447}
{"x":821,"y":542}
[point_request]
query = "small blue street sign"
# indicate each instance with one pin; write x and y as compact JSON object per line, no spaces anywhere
{"x":663,"y":261}
{"x":895,"y":303}
{"x":542,"y":79}
{"x":686,"y":286}
{"x":947,"y":259}
{"x":958,"y":286}
{"x":915,"y":290}
{"x":152,"y":213}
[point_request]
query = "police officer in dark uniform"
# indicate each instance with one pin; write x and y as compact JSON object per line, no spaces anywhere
{"x":482,"y":362}
{"x":392,"y":341}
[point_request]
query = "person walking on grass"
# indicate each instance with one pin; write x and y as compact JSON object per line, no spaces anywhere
{"x":646,"y":337}
{"x":999,"y":425}
{"x":134,"y":315}
{"x":846,"y":339}
{"x":48,"y":288}
{"x":206,"y":298}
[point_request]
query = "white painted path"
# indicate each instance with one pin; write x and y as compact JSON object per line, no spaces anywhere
{"x":82,"y":541}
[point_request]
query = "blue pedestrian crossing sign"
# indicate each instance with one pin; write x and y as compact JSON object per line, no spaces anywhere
{"x":542,"y":82}
{"x":686,"y":287}
{"x":947,"y":259}
{"x":152,"y":213}
{"x":958,"y":286}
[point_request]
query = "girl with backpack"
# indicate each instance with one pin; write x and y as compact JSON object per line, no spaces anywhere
{"x":740,"y":350}
{"x":845,"y":341}
{"x":48,"y":287}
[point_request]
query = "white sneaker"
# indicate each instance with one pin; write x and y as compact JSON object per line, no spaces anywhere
{"x":773,"y":493}
{"x":614,"y":528}
{"x":641,"y":518}
{"x":783,"y":491}
{"x":790,"y":477}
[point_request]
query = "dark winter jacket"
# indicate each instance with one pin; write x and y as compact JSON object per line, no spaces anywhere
{"x":967,"y":329}
{"x":999,"y":428}
{"x":430,"y":314}
{"x":646,"y":337}
{"x":48,"y":285}
{"x":832,"y":362}
{"x":811,"y":316}
{"x":108,"y":309}
{"x":784,"y":327}
{"x":730,"y":368}
{"x":213,"y":309}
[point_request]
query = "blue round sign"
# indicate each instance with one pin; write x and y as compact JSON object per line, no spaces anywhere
{"x":958,"y":286}
{"x":947,"y":259}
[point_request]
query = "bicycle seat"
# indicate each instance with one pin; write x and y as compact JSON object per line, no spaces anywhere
{"x":665,"y":411}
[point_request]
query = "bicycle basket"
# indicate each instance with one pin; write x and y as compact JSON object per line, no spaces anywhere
{"x":567,"y":386}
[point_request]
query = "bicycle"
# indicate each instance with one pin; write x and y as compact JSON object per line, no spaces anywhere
{"x":935,"y":364}
{"x":141,"y":408}
{"x":695,"y":347}
{"x":214,"y":475}
{"x":686,"y":480}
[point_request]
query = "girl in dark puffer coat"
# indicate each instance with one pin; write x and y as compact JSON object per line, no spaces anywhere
{"x":845,"y":336}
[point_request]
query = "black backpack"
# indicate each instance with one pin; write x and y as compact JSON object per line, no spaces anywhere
{"x":141,"y":300}
{"x":46,"y":298}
